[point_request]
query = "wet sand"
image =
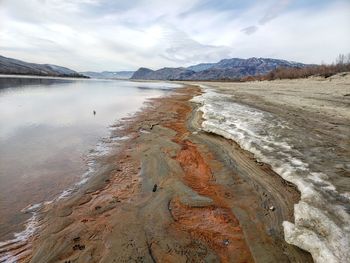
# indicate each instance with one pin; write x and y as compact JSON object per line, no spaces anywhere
{"x":170,"y":193}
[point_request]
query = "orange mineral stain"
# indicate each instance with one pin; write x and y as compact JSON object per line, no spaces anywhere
{"x":214,"y":225}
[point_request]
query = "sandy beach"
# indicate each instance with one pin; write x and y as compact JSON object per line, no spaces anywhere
{"x":174,"y":192}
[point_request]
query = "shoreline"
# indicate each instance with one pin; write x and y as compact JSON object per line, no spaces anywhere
{"x":2,"y":75}
{"x":164,"y":148}
{"x":116,"y":215}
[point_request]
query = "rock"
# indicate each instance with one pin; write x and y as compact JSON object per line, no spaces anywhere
{"x":259,"y":163}
{"x":78,"y":247}
{"x":272,"y":208}
{"x":226,"y":242}
{"x":152,"y":125}
{"x":155,"y":188}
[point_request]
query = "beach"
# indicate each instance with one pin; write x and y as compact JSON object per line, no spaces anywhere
{"x":199,"y":180}
{"x":301,"y":129}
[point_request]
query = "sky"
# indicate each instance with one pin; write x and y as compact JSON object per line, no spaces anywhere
{"x":119,"y":35}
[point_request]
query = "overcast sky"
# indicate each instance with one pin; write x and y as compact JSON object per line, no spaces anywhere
{"x":126,"y":34}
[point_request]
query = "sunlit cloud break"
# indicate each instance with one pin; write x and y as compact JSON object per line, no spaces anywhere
{"x":124,"y":35}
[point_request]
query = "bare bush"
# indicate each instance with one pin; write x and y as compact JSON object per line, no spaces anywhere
{"x":342,"y":65}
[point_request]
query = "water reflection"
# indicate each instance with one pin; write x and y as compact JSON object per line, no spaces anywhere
{"x":13,"y":82}
{"x":47,"y":126}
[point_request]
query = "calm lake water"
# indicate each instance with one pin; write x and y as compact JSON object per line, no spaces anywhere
{"x":47,"y":127}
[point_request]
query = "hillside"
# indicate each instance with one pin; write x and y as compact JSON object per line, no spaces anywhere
{"x":109,"y":74}
{"x":14,"y":66}
{"x":163,"y":74}
{"x":233,"y":68}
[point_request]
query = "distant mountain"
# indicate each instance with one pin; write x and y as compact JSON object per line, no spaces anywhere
{"x":162,"y":74}
{"x":201,"y":67}
{"x":14,"y":66}
{"x":233,"y":68}
{"x":109,"y":74}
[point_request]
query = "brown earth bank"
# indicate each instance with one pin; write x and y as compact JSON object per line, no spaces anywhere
{"x":170,"y":193}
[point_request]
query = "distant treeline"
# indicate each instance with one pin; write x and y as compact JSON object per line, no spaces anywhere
{"x":342,"y":64}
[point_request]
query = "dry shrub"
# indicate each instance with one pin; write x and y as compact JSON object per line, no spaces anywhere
{"x":342,"y":65}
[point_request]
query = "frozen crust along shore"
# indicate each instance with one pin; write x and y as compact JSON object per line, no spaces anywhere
{"x":148,"y":201}
{"x":301,"y":128}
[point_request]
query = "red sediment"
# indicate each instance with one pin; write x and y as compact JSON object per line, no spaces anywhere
{"x":214,"y":225}
{"x":197,"y":172}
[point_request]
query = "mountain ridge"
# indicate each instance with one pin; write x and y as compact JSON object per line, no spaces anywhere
{"x":233,"y":68}
{"x":15,"y":66}
{"x":108,"y":74}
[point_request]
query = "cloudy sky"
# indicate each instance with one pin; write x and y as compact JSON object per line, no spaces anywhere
{"x":126,"y":34}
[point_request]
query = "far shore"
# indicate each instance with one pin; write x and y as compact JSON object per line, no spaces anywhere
{"x":40,"y":76}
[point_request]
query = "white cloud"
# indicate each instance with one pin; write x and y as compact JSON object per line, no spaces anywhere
{"x":250,"y":30}
{"x":302,"y":35}
{"x":117,"y":35}
{"x":274,"y":10}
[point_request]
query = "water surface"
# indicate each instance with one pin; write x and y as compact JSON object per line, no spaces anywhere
{"x":47,"y":130}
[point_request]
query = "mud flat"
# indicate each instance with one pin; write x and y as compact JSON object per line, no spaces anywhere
{"x":172,"y":192}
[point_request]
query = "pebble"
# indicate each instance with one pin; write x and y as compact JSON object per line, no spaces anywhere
{"x":226,"y":242}
{"x":78,"y":247}
{"x":272,"y":208}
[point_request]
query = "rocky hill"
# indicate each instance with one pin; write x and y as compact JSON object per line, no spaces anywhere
{"x":233,"y":68}
{"x":109,"y":74}
{"x":14,"y":66}
{"x":163,"y":74}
